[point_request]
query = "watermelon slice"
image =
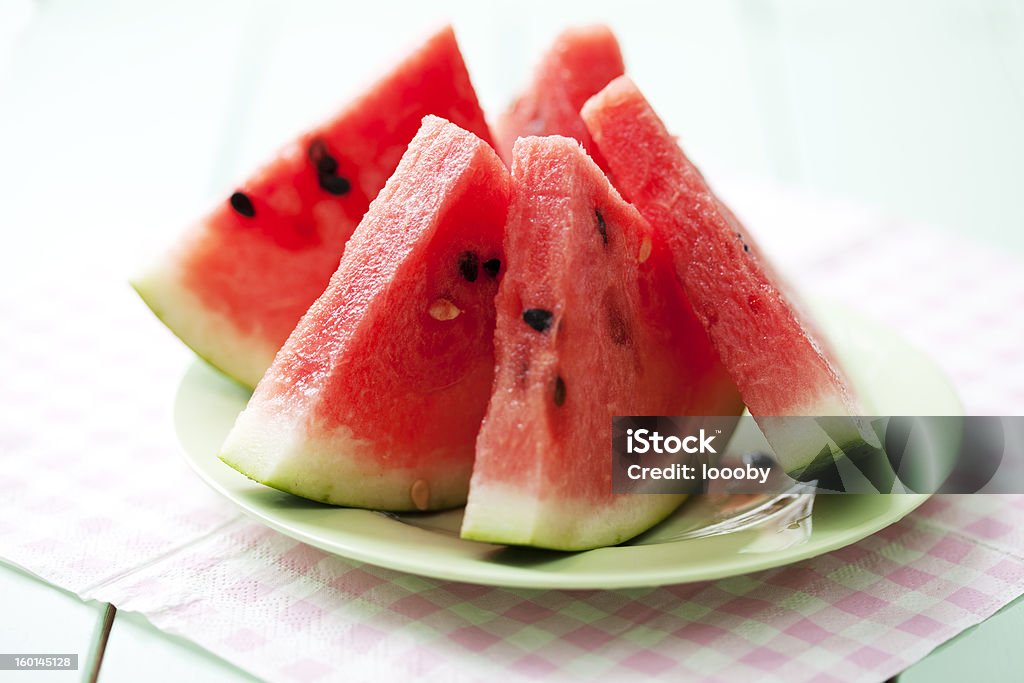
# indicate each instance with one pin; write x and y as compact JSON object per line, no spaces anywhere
{"x":236,"y":285}
{"x":770,"y":348}
{"x":579,"y":63}
{"x":376,"y":398}
{"x":591,"y":324}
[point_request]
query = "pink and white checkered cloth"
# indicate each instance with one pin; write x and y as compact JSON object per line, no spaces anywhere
{"x":96,"y":500}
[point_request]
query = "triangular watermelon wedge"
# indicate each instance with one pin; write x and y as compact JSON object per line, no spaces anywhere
{"x":770,"y":348}
{"x":591,"y":324}
{"x":376,"y":398}
{"x":235,"y":286}
{"x":580,"y":62}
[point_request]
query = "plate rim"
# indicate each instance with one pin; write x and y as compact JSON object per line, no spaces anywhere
{"x":564,"y":580}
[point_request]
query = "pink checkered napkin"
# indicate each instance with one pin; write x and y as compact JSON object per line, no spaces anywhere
{"x":97,"y":500}
{"x":861,"y":613}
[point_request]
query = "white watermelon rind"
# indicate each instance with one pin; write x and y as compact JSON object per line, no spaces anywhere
{"x":244,"y":358}
{"x":504,"y":514}
{"x":289,"y":454}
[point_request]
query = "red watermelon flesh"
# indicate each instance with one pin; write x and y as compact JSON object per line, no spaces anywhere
{"x":769,"y":347}
{"x":376,"y":398}
{"x":579,"y":63}
{"x":590,"y":325}
{"x":235,"y":286}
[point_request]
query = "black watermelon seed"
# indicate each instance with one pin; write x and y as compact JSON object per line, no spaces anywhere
{"x":469,"y":265}
{"x":602,"y":227}
{"x":241,"y":203}
{"x":559,"y":391}
{"x":538,"y":318}
{"x":492,"y":267}
{"x":327,"y":165}
{"x":746,"y":248}
{"x":334,"y":184}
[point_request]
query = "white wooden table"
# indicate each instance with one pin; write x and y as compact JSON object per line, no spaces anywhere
{"x":109,"y":109}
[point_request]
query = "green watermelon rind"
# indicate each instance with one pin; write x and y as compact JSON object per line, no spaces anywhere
{"x":183,"y":314}
{"x":864,"y":455}
{"x":800,"y":452}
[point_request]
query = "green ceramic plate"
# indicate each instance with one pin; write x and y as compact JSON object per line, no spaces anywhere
{"x":709,"y":538}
